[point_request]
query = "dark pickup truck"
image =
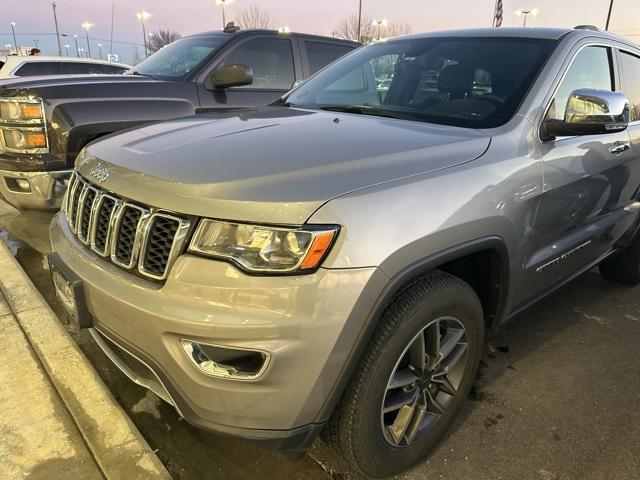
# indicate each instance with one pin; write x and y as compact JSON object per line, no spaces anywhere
{"x":46,"y":121}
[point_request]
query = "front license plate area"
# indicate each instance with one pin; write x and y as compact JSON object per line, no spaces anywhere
{"x":68,"y":288}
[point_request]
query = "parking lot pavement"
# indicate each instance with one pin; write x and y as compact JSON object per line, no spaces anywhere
{"x":558,"y":394}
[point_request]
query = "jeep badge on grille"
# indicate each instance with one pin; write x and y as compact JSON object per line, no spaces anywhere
{"x":99,"y":172}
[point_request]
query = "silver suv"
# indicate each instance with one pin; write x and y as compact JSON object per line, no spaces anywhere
{"x":332,"y":261}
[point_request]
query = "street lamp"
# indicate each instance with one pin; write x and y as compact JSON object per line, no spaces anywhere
{"x":75,"y":39}
{"x":87,"y":26}
{"x":525,"y":13}
{"x":13,"y":30}
{"x":142,"y":16}
{"x":380,"y":24}
{"x":66,"y":48}
{"x":100,"y":48}
{"x":222,"y":3}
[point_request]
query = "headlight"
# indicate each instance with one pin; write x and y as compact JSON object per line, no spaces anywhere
{"x":22,"y":125}
{"x":258,"y":248}
{"x":22,"y":139}
{"x":21,"y":110}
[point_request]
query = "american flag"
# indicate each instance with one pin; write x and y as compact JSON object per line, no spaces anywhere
{"x":497,"y":18}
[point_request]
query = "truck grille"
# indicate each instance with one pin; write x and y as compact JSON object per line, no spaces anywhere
{"x":132,"y":236}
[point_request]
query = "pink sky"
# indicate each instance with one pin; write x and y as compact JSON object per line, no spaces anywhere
{"x":318,"y":16}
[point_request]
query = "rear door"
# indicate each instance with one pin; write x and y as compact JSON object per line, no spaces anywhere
{"x":273,"y":60}
{"x":317,"y":54}
{"x":588,"y":180}
{"x":630,"y":69}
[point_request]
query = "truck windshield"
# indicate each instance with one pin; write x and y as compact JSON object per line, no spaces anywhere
{"x":467,"y":82}
{"x":178,"y":59}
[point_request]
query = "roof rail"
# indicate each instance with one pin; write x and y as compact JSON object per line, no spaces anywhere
{"x":586,"y":27}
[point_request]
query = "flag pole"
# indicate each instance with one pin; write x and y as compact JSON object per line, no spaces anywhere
{"x":493,"y":19}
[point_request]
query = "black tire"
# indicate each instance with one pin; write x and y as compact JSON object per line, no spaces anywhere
{"x":624,"y":267}
{"x":355,"y":429}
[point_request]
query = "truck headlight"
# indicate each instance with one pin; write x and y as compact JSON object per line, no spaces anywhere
{"x":265,"y":249}
{"x":22,"y":125}
{"x":21,"y":110}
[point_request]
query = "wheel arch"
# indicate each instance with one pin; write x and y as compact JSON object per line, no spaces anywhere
{"x":446,"y":261}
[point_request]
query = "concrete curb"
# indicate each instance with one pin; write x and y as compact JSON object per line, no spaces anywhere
{"x":114,"y":441}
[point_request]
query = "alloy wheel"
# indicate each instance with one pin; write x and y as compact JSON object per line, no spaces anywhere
{"x":424,"y":381}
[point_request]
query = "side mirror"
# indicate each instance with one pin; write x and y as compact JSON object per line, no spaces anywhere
{"x":229,"y":76}
{"x":590,"y":112}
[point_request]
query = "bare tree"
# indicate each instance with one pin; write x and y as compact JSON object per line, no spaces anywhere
{"x":348,"y":28}
{"x":397,"y":29}
{"x":254,"y":17}
{"x":162,"y":38}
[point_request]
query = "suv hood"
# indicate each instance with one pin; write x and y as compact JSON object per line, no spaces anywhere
{"x":273,"y":164}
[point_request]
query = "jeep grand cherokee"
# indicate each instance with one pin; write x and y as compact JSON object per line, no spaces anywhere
{"x":332,"y":261}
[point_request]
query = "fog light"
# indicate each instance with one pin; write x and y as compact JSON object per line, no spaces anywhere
{"x":20,"y":185}
{"x":226,"y":362}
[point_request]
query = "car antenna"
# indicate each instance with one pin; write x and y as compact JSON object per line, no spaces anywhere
{"x":231,"y":28}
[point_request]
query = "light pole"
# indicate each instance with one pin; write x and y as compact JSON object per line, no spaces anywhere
{"x":87,"y":26}
{"x":13,"y":31}
{"x":380,"y":24}
{"x":359,"y":20}
{"x":81,"y":52}
{"x":100,"y":48}
{"x":222,"y":3}
{"x":142,"y":16}
{"x":75,"y":39}
{"x":525,"y":13}
{"x":36,"y":42}
{"x":66,"y":48}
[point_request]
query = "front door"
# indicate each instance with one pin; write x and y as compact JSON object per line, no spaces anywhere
{"x":588,"y":180}
{"x":273,"y":65}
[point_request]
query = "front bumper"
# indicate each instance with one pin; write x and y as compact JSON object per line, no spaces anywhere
{"x":307,"y":323}
{"x":44,"y":190}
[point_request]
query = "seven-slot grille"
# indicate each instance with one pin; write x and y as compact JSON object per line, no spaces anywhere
{"x":132,"y":236}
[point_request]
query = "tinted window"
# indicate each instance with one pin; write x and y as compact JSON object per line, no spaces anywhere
{"x":113,"y":69}
{"x":271,"y":60}
{"x":39,"y":68}
{"x":178,"y":59}
{"x":474,"y":82}
{"x":322,"y":54}
{"x":591,"y":68}
{"x":631,"y":85}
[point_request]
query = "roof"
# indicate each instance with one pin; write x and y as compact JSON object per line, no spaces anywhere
{"x":519,"y":32}
{"x":15,"y":59}
{"x":275,"y":32}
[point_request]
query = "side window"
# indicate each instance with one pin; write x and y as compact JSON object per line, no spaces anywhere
{"x":631,"y":83}
{"x":38,"y":68}
{"x":271,"y":60}
{"x":591,"y":68}
{"x":74,"y":68}
{"x":113,"y":69}
{"x":322,"y":54}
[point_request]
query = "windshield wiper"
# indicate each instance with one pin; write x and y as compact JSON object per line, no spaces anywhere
{"x":367,"y":110}
{"x":135,"y":72}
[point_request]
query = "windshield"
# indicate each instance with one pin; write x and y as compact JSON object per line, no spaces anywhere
{"x":469,"y":82}
{"x":178,"y":59}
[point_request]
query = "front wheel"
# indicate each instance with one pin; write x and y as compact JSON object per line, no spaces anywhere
{"x":413,"y":377}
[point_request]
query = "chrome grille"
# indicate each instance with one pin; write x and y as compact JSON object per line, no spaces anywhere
{"x":131,"y":235}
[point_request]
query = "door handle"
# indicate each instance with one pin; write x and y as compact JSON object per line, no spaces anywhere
{"x":620,"y":148}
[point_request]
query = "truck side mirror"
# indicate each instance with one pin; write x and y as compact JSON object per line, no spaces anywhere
{"x":590,"y":112}
{"x":228,"y":76}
